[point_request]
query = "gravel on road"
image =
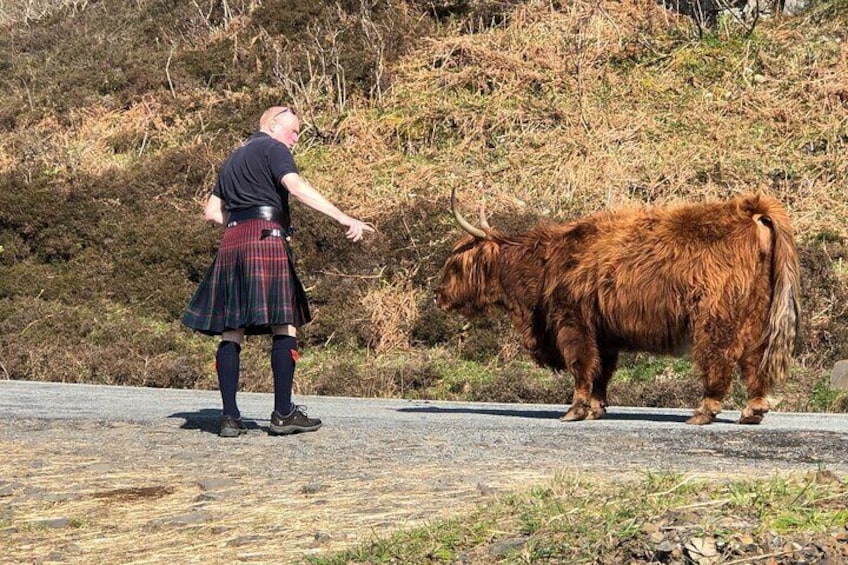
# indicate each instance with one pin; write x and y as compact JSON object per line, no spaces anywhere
{"x":137,"y":475}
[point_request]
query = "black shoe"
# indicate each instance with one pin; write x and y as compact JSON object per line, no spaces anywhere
{"x":294,"y":423}
{"x":232,"y":426}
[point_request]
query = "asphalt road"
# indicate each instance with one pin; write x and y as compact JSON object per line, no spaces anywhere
{"x":472,"y":434}
{"x":144,"y":477}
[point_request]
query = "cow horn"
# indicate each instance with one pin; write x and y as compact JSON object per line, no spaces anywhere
{"x":463,"y":223}
{"x":484,"y":222}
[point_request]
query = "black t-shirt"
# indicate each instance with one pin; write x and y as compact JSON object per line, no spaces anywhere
{"x":251,"y":175}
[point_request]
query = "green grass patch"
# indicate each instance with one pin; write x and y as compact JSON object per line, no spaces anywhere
{"x":823,"y":397}
{"x":647,"y":368}
{"x":576,"y":519}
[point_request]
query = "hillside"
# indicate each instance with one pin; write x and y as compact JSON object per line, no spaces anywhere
{"x":115,"y":117}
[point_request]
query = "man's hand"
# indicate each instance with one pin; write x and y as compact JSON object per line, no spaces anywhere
{"x":214,"y":210}
{"x":356,"y":229}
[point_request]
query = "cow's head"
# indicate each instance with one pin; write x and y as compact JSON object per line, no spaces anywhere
{"x":470,"y":283}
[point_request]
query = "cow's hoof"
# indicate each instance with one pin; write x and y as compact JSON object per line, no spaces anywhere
{"x":596,"y":413}
{"x":750,"y":417}
{"x":700,"y":419}
{"x":575,"y":414}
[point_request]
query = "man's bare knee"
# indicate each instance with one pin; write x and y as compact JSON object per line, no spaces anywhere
{"x":233,"y":335}
{"x":286,"y":329}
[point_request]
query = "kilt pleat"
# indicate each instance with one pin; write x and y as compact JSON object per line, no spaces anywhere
{"x":252,"y":285}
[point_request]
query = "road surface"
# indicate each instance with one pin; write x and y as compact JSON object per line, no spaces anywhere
{"x":132,"y":463}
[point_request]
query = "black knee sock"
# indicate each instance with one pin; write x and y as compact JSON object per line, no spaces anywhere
{"x":227,"y":367}
{"x":283,"y":357}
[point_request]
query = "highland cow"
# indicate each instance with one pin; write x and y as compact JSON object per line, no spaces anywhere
{"x":718,"y":280}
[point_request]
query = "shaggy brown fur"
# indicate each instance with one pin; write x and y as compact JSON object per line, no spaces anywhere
{"x":719,"y":280}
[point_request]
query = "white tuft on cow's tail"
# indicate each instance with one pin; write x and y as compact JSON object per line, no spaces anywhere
{"x":785,"y":310}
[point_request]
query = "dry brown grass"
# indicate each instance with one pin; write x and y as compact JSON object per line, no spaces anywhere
{"x":568,"y":110}
{"x":128,"y":493}
{"x":23,"y":12}
{"x":608,"y":116}
{"x":393,"y":310}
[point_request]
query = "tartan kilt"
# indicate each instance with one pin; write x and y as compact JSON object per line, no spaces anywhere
{"x":251,"y":284}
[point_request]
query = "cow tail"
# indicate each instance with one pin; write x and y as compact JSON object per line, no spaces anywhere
{"x":784,"y":316}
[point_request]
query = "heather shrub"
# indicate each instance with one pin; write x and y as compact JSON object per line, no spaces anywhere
{"x":99,"y":342}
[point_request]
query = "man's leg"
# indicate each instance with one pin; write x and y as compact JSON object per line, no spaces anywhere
{"x":227,"y":364}
{"x":286,"y":417}
{"x":283,"y":361}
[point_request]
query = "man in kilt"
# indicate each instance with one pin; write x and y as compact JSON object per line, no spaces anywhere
{"x":252,"y":286}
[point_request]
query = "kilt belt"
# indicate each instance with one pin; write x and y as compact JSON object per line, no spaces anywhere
{"x":269,"y":213}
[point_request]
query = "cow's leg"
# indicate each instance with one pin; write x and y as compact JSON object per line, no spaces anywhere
{"x":583,"y":379}
{"x":755,"y":326}
{"x":718,"y":375}
{"x":758,"y":387}
{"x":583,"y":361}
{"x":716,"y":348}
{"x":598,"y":398}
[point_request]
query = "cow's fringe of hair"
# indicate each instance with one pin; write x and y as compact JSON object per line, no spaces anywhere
{"x":784,"y":311}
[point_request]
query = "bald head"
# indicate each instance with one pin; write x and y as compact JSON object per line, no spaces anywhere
{"x":281,"y":123}
{"x":269,"y":115}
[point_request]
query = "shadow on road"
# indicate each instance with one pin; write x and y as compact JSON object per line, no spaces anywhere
{"x":680,"y":418}
{"x":206,"y":420}
{"x":548,"y":414}
{"x":540,"y":414}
